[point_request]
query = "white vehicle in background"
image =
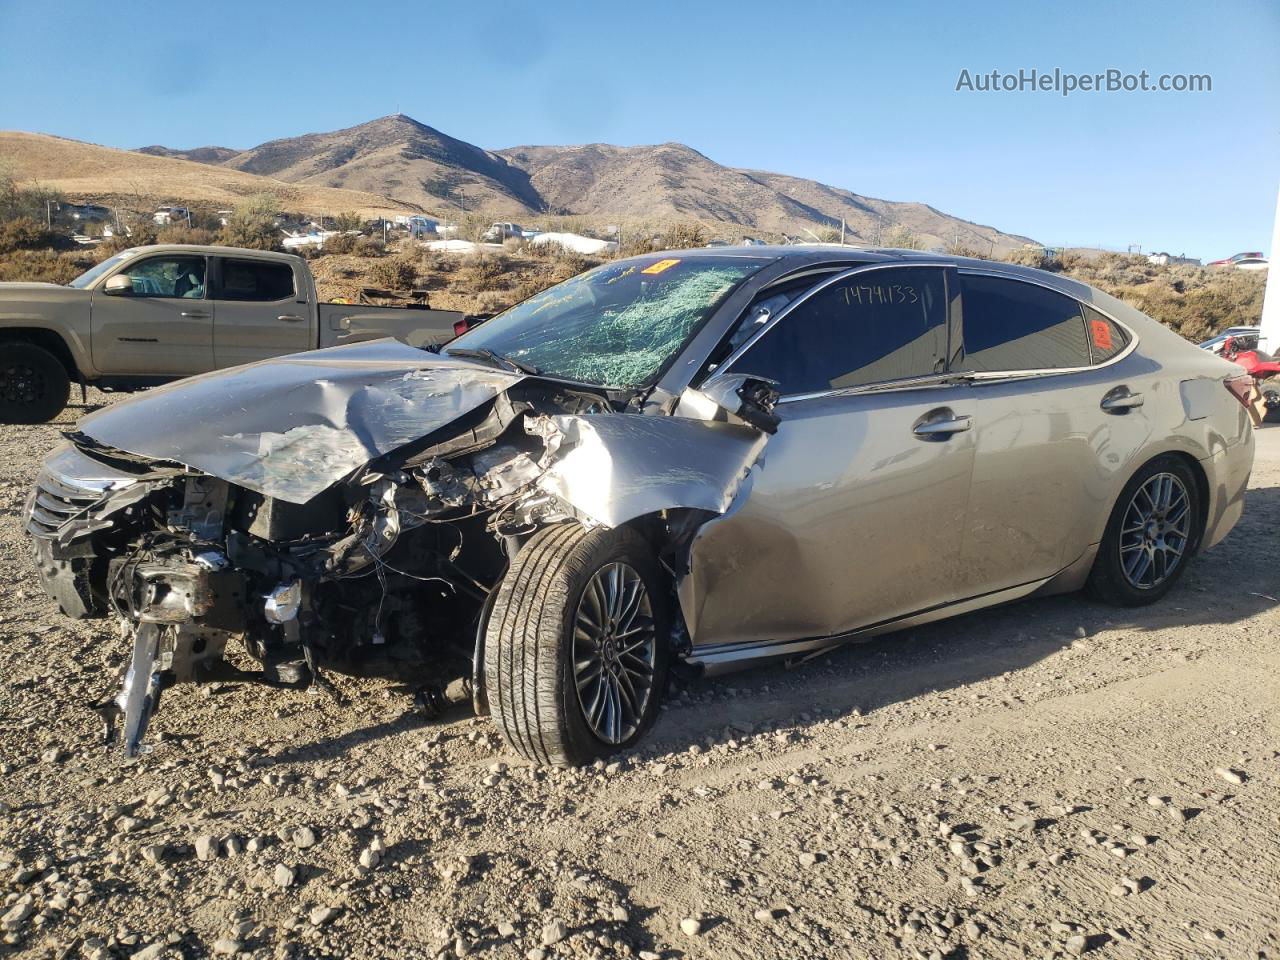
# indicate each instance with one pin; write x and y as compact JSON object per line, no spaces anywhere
{"x":313,"y":240}
{"x":1253,"y":260}
{"x":168,"y":215}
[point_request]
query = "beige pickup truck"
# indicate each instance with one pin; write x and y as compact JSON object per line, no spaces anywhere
{"x":154,"y":314}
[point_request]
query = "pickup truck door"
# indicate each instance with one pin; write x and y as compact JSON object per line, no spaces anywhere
{"x":163,"y":327}
{"x":262,"y":311}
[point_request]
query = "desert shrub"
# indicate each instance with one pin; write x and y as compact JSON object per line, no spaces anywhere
{"x":24,"y":233}
{"x":900,"y":238}
{"x":347,"y":220}
{"x":252,"y":224}
{"x":341,"y":243}
{"x":35,"y":266}
{"x":958,"y":248}
{"x":437,"y":261}
{"x":639,"y":240}
{"x":492,"y":302}
{"x":684,"y":236}
{"x":394,"y":273}
{"x":368,"y":247}
{"x":483,"y":271}
{"x":184,"y":234}
{"x":569,"y":263}
{"x":514,"y":245}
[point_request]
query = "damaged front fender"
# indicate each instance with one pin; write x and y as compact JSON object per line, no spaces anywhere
{"x":613,"y":468}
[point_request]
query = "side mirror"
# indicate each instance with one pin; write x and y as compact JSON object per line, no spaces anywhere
{"x":118,"y":286}
{"x":735,"y":396}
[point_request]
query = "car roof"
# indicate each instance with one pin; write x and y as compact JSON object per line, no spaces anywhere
{"x":210,"y":250}
{"x":813,"y":254}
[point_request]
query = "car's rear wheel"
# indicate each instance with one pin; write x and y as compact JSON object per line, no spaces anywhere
{"x":1271,"y":395}
{"x":576,"y":649}
{"x":34,"y":385}
{"x":1150,"y":535}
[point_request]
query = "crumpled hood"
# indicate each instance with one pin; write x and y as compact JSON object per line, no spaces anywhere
{"x":292,"y":426}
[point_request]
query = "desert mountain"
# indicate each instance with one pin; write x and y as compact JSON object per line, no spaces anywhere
{"x":398,"y":156}
{"x":673,"y":180}
{"x":86,"y":171}
{"x":402,"y":162}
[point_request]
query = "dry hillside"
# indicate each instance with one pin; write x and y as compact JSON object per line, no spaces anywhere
{"x":397,"y":156}
{"x":400,"y":157}
{"x":672,"y":180}
{"x":103,"y":174}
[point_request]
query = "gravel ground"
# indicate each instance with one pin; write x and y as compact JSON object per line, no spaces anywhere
{"x":1051,"y":778}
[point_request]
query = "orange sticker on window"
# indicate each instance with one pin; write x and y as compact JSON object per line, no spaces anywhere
{"x":660,"y":266}
{"x":1101,"y":334}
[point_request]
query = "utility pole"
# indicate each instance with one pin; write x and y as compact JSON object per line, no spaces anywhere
{"x":842,"y":231}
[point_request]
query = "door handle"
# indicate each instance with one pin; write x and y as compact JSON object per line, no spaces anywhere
{"x":1120,"y":400}
{"x":290,"y":318}
{"x":942,"y":428}
{"x":194,"y":314}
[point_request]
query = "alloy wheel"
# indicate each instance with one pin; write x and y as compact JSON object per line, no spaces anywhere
{"x":1155,"y":531}
{"x":20,"y":384}
{"x":614,"y":652}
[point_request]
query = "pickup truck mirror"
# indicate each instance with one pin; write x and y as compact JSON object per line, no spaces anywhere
{"x":118,"y":286}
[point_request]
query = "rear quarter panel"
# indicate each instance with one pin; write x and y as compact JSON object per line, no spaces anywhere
{"x":1187,"y":410}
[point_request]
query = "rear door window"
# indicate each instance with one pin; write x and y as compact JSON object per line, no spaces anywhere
{"x":872,"y":327}
{"x":1011,"y":325}
{"x":256,"y":280}
{"x":1106,"y":337}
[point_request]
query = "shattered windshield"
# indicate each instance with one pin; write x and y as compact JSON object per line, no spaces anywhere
{"x":617,"y":325}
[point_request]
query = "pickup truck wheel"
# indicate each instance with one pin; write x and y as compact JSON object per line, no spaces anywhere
{"x":34,"y":385}
{"x":576,"y":647}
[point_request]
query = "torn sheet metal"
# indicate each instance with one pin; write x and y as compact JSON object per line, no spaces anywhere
{"x":615,"y":467}
{"x":302,"y":422}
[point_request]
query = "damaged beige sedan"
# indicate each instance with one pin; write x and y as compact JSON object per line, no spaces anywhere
{"x":690,"y":460}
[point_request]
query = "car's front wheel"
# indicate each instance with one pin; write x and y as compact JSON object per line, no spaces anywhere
{"x":34,"y":386}
{"x":1150,"y":535}
{"x":575,"y":653}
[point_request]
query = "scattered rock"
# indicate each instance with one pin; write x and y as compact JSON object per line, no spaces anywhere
{"x":319,"y":916}
{"x":1235,"y":777}
{"x":284,"y":876}
{"x":554,"y":932}
{"x":206,"y":847}
{"x":691,"y":926}
{"x":304,"y":837}
{"x":227,"y":947}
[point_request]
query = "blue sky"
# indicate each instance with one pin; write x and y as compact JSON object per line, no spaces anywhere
{"x":858,"y":95}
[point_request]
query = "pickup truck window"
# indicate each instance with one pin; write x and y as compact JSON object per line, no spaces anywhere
{"x":256,"y":280}
{"x":181,"y":277}
{"x":93,"y":273}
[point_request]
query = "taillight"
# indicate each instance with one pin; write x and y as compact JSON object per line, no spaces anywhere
{"x":461,"y":326}
{"x":1242,"y":389}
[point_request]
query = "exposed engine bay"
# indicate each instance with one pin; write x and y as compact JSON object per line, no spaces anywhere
{"x":365,"y":501}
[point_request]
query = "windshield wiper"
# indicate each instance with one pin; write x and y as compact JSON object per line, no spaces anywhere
{"x":484,"y":353}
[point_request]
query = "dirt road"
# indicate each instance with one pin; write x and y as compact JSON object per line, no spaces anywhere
{"x":1051,"y":778}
